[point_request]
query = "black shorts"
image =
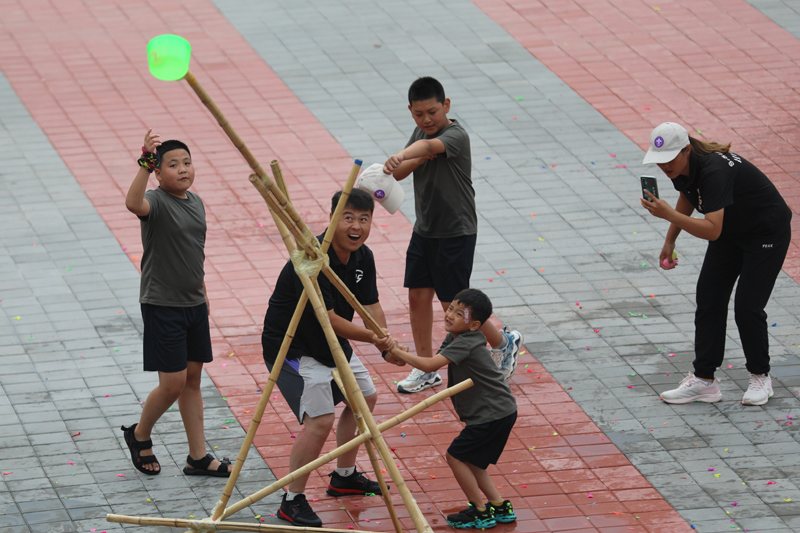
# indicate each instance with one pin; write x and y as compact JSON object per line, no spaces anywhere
{"x":444,"y":264}
{"x":482,"y":444}
{"x":175,"y":335}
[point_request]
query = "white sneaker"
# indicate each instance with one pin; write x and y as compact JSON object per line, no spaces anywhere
{"x":692,"y":390}
{"x":759,"y":391}
{"x":511,"y":353}
{"x":418,"y":380}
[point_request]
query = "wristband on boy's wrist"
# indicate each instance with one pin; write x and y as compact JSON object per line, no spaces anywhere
{"x":383,"y":354}
{"x":148,"y":160}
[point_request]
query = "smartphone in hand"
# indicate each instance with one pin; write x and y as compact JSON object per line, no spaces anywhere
{"x":650,"y":184}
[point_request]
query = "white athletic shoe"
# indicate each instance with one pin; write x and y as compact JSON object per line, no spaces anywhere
{"x":692,"y":390}
{"x":759,"y":391}
{"x":511,"y":352}
{"x":418,"y":380}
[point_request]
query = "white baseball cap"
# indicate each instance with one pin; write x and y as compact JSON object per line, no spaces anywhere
{"x":666,"y":141}
{"x":383,"y":187}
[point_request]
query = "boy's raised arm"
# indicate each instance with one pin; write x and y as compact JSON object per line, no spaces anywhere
{"x":135,"y":201}
{"x":403,"y":163}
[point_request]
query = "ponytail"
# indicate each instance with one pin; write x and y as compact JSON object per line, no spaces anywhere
{"x":704,"y":148}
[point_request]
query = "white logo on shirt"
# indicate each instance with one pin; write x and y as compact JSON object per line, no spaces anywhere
{"x":766,"y":246}
{"x":359,"y":275}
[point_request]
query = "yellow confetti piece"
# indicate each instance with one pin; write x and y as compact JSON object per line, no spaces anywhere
{"x":541,"y":239}
{"x":656,"y":9}
{"x":148,"y":499}
{"x":554,"y":433}
{"x":717,"y":475}
{"x":787,"y":499}
{"x":191,"y":516}
{"x":17,"y":318}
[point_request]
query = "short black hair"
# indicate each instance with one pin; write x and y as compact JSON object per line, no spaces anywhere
{"x":168,"y":146}
{"x":425,"y":88}
{"x":358,"y":199}
{"x":477,"y":301}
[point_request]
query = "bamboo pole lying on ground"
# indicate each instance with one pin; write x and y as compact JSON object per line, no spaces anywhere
{"x":373,"y":459}
{"x":199,"y":525}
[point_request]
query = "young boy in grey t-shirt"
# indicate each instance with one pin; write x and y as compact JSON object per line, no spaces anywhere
{"x":488,"y":408}
{"x":177,"y":340}
{"x":441,"y":251}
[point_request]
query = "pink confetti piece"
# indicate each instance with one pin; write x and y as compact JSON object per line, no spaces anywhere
{"x":631,"y":387}
{"x":597,"y":331}
{"x":590,"y":495}
{"x":770,"y":482}
{"x":710,"y":469}
{"x":124,"y":248}
{"x":730,"y":366}
{"x":612,"y":155}
{"x":70,"y":463}
{"x":7,"y":473}
{"x":293,"y":436}
{"x":671,"y":355}
{"x":524,"y":486}
{"x":735,"y":504}
{"x":107,"y":396}
{"x":622,"y":166}
{"x":120,"y":475}
{"x":224,"y":364}
{"x":260,"y":225}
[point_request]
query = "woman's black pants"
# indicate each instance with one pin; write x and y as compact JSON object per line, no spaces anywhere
{"x":756,"y":265}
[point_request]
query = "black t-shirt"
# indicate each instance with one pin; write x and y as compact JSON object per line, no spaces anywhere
{"x":754,"y":208}
{"x":360,"y":277}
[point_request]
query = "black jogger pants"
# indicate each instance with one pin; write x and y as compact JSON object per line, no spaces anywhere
{"x":756,"y":266}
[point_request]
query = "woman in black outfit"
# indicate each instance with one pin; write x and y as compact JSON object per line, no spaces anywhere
{"x":747,"y":224}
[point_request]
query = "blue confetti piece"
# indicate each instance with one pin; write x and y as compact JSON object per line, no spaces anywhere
{"x":775,"y":324}
{"x":593,"y":162}
{"x":402,"y":434}
{"x":487,"y":157}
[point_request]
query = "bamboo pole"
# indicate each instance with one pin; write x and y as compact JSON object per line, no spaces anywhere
{"x":357,"y":441}
{"x":219,"y":508}
{"x":277,"y":173}
{"x":373,"y":459}
{"x":199,"y":525}
{"x":275,"y":197}
{"x":355,"y":392}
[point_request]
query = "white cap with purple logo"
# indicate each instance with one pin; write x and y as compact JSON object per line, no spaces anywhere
{"x":383,"y":187}
{"x":666,"y":141}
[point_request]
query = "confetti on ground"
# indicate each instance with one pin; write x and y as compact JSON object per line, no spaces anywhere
{"x":76,"y":434}
{"x":120,"y":475}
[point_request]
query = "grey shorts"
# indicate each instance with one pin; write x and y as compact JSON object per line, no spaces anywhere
{"x":309,"y":389}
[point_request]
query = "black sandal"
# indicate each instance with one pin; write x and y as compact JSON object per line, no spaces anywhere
{"x":135,"y":446}
{"x":199,"y":467}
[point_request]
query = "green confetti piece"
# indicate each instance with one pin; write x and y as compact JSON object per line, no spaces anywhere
{"x":229,"y":422}
{"x":644,"y":264}
{"x":518,"y":98}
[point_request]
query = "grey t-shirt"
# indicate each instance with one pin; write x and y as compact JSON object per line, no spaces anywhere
{"x":490,"y":398}
{"x":174,"y":237}
{"x":443,"y":194}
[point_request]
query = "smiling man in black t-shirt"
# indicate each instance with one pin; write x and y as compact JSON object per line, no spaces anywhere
{"x":305,"y":379}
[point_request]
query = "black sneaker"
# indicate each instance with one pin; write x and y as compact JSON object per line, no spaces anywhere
{"x":298,"y":512}
{"x":356,"y":484}
{"x":471,"y":518}
{"x":502,"y":513}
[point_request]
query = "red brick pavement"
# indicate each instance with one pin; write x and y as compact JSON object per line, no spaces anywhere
{"x":719,"y":67}
{"x":80,"y":69}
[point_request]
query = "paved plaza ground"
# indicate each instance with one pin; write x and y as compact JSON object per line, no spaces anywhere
{"x":558,"y":98}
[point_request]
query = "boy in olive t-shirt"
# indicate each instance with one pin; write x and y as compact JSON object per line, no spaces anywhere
{"x":441,"y":251}
{"x":488,"y":408}
{"x":177,"y":340}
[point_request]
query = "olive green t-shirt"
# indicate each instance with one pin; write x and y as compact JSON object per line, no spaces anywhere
{"x":444,"y":199}
{"x":174,"y":237}
{"x":490,"y":398}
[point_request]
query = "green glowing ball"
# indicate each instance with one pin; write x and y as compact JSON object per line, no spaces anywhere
{"x":168,"y":57}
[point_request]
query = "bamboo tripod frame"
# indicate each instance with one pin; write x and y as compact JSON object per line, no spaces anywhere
{"x":296,"y":235}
